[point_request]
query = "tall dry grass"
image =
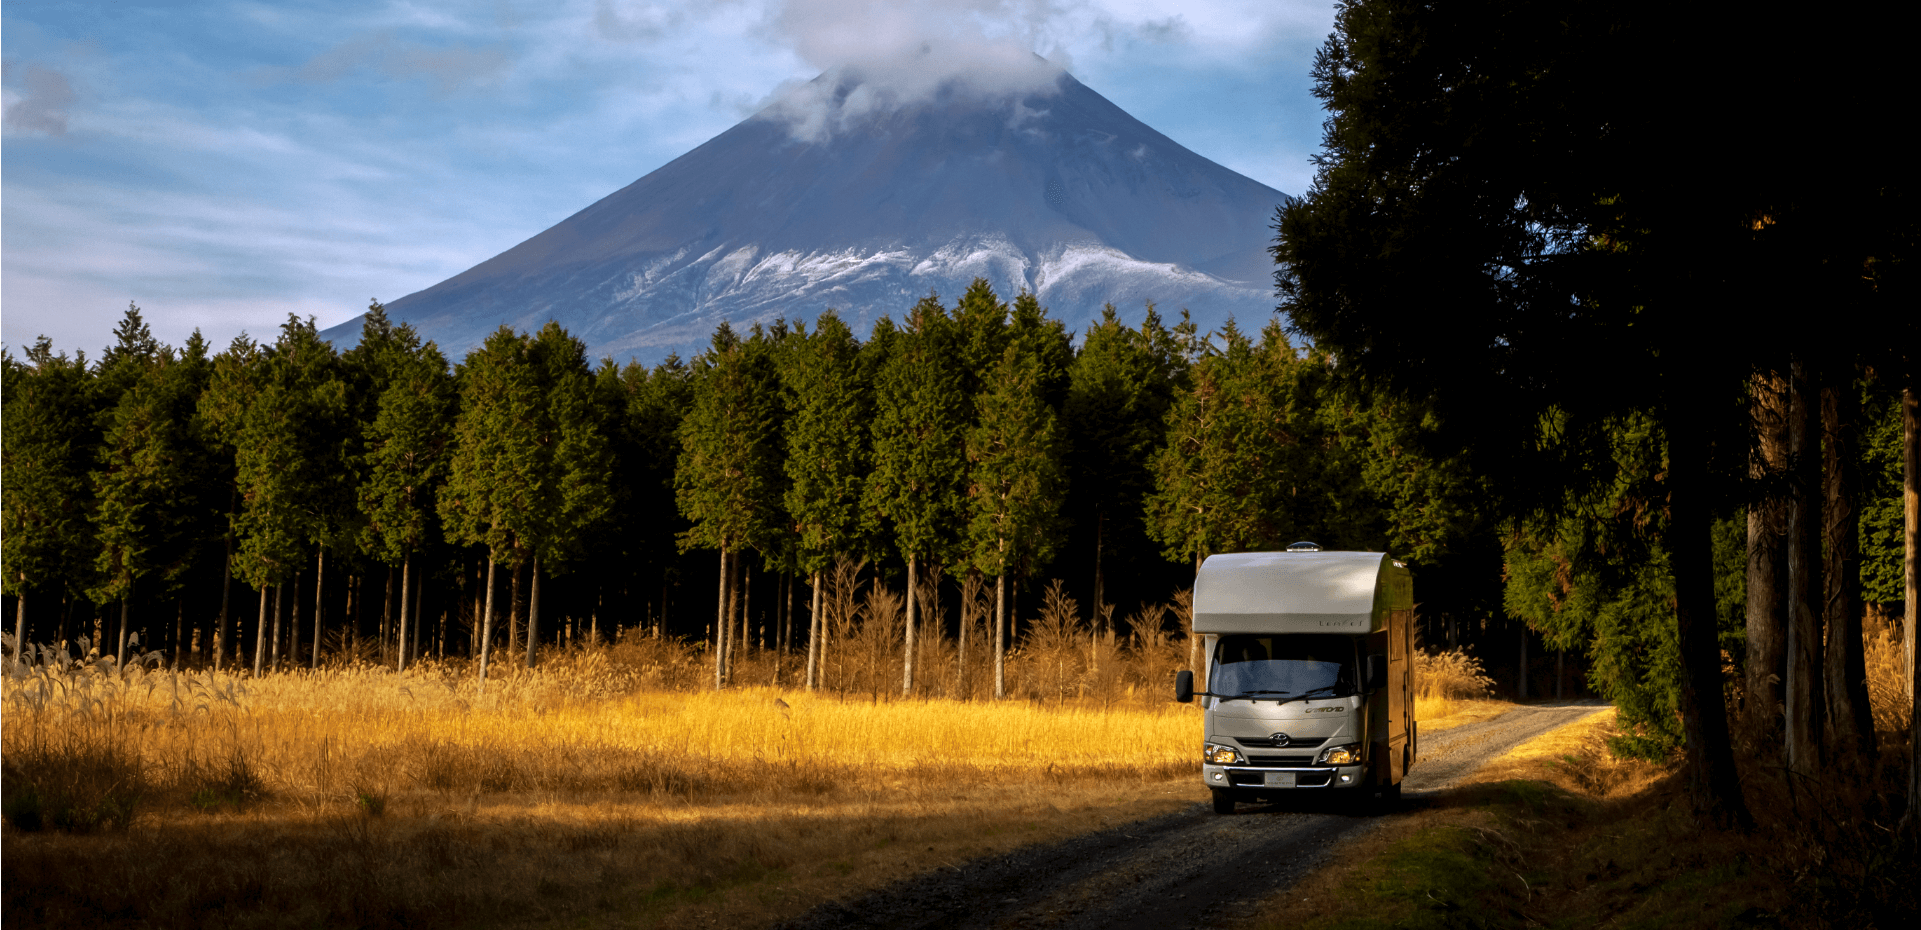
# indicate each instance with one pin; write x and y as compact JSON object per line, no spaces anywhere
{"x":1448,"y":683}
{"x":1059,"y":654}
{"x":607,"y":779}
{"x":589,"y":721}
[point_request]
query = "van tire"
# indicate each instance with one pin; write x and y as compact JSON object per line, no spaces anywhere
{"x":1223,"y":801}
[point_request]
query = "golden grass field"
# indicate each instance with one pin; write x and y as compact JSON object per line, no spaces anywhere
{"x":591,"y":791}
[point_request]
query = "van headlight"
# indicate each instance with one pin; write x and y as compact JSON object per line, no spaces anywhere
{"x":1349,"y":754}
{"x":1216,"y":754}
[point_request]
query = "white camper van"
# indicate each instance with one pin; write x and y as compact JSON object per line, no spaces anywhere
{"x":1310,"y":678}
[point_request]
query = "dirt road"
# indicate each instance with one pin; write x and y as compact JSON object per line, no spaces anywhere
{"x":1178,"y":870}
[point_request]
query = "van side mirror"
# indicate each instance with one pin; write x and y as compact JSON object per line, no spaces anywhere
{"x":1374,"y":678}
{"x":1184,"y":687}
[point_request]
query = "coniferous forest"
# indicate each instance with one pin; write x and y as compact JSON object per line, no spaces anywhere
{"x":282,"y":505}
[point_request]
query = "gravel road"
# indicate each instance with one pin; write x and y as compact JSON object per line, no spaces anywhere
{"x":1184,"y":869}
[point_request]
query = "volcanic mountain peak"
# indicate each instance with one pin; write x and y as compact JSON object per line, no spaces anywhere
{"x":828,"y":199}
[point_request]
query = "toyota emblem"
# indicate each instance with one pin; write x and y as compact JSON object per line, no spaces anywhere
{"x":1279,"y":739}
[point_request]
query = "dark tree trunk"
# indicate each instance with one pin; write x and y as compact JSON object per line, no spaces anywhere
{"x":1911,"y":585}
{"x":1100,"y":539}
{"x":1767,"y":606}
{"x":721,"y":611}
{"x":814,"y":637}
{"x":533,"y":614}
{"x":1712,"y":780}
{"x":513,"y":610}
{"x":420,"y":595}
{"x":20,"y":625}
{"x":386,"y":618}
{"x":400,"y":636}
{"x":487,"y":617}
{"x":1850,"y":723}
{"x":226,"y":592}
{"x":319,"y":603}
{"x":1000,"y":636}
{"x":260,"y":634}
{"x":1804,"y":708}
{"x":913,"y":618}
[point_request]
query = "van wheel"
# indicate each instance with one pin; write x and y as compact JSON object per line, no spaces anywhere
{"x":1390,"y":797}
{"x":1223,"y":802}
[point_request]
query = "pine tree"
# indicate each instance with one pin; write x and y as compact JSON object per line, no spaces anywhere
{"x":576,"y":462}
{"x":827,"y":456}
{"x":1120,"y":387}
{"x":284,"y":412}
{"x":156,"y":475}
{"x":729,"y":481}
{"x":125,"y":481}
{"x":406,"y":454}
{"x":45,"y":496}
{"x":919,"y":429}
{"x":1222,"y":480}
{"x":491,"y":496}
{"x":1014,"y":483}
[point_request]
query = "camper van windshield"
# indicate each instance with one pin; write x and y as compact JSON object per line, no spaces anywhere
{"x":1288,"y":665}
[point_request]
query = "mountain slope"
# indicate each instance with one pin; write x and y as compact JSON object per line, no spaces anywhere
{"x":1061,"y":193}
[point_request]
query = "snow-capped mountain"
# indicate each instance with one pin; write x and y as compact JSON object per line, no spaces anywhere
{"x":1058,"y":192}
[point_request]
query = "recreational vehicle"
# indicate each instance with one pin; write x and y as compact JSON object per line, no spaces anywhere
{"x":1309,"y":674}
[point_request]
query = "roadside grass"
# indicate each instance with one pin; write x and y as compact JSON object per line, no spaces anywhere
{"x":1451,"y":689}
{"x":1560,"y":833}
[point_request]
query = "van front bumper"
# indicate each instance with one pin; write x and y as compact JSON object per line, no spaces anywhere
{"x":1281,"y":779}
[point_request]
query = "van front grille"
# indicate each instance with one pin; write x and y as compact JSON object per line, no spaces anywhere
{"x":1293,"y":742}
{"x":1280,"y":762}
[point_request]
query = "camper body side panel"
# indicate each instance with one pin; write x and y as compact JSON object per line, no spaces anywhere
{"x":1363,"y":595}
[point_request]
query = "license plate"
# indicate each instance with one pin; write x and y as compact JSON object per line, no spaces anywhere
{"x":1280,"y":779}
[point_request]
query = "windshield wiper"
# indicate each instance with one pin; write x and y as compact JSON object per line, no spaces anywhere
{"x":1302,"y":696}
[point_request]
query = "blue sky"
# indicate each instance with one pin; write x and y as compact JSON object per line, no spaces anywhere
{"x":224,"y":164}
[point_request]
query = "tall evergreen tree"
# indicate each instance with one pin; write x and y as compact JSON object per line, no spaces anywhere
{"x":1014,"y":484}
{"x":406,"y":456}
{"x":45,"y":495}
{"x":491,"y":496}
{"x":153,"y":514}
{"x":827,"y":456}
{"x":919,"y":428}
{"x":1120,"y":387}
{"x":729,"y":480}
{"x":576,"y":464}
{"x":117,"y":514}
{"x":1222,"y":480}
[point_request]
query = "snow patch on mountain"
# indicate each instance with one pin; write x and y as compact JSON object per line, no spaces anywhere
{"x":1059,"y":193}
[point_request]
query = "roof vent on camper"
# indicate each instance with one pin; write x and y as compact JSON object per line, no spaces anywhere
{"x":1304,"y":547}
